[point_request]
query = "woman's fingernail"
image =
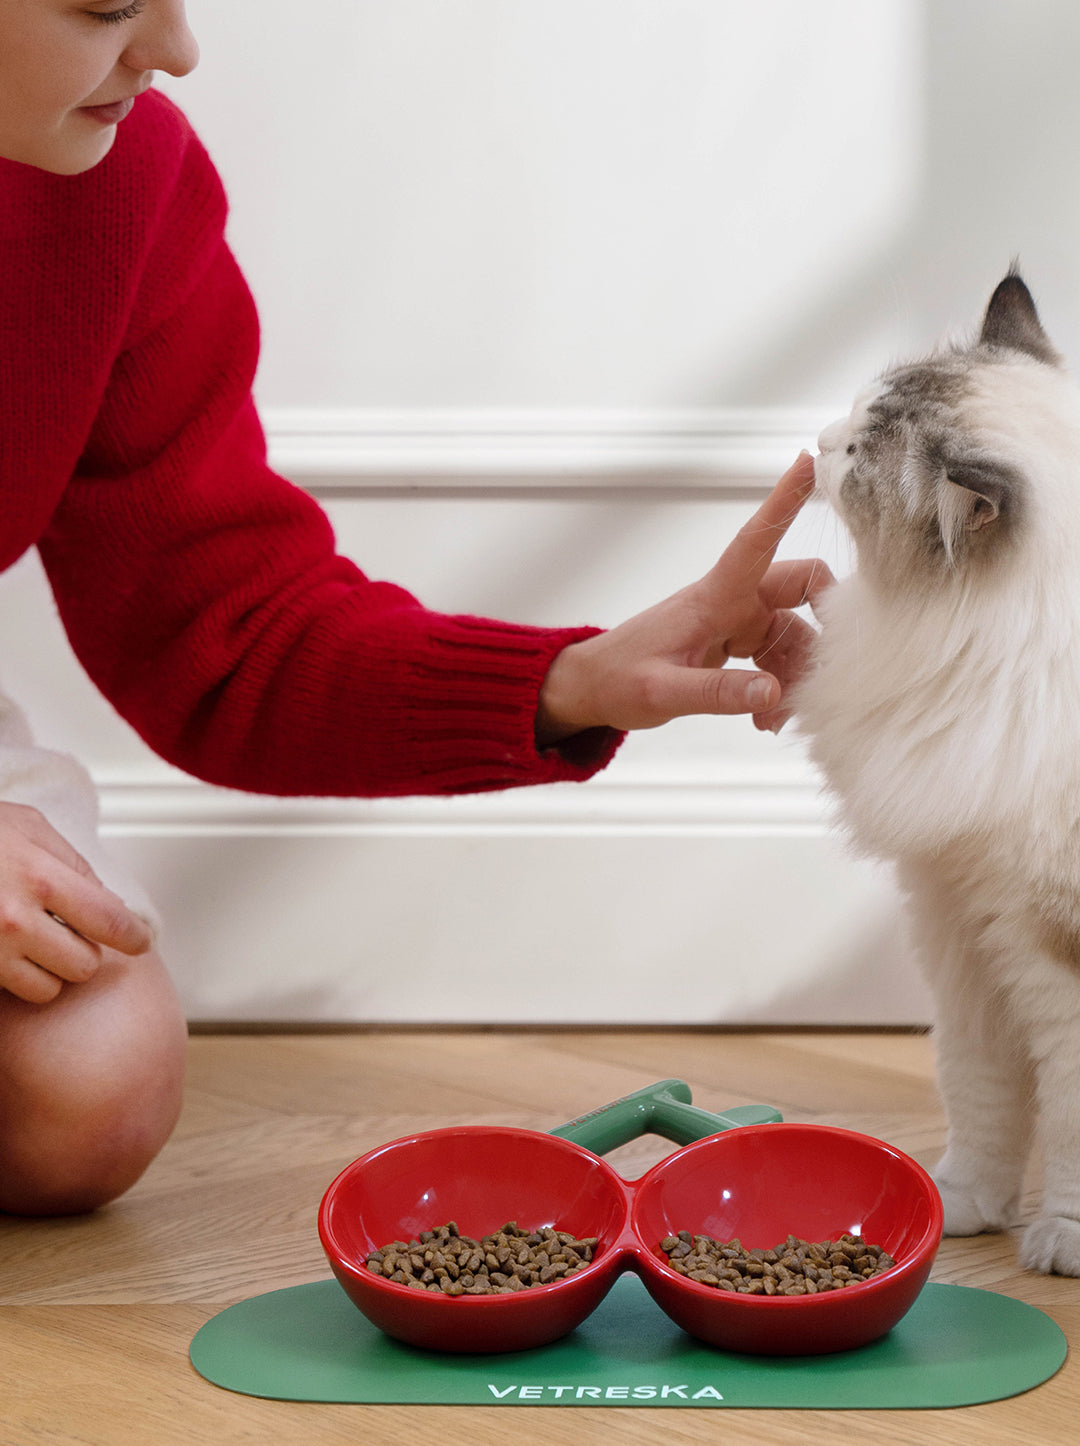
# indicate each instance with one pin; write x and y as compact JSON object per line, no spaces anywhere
{"x":759,"y":693}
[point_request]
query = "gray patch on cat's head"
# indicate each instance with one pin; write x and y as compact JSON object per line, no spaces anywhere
{"x":922,"y":495}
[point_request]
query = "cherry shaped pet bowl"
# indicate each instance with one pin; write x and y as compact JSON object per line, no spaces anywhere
{"x":744,"y":1173}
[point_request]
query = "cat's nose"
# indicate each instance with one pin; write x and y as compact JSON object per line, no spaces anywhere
{"x":830,"y":438}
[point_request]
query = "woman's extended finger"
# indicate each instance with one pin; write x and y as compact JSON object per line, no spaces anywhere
{"x":746,"y":559}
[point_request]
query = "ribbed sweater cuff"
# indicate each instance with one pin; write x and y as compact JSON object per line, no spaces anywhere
{"x":472,"y":715}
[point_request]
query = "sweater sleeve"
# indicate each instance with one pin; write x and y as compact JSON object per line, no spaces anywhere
{"x":205,"y":598}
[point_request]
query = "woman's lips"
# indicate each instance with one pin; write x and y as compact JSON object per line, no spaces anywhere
{"x":108,"y":115}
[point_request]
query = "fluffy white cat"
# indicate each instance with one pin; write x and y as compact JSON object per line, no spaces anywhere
{"x":943,"y":709}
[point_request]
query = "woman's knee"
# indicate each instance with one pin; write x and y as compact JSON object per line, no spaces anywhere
{"x":90,"y":1087}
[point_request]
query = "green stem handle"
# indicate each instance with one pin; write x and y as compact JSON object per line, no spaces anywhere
{"x":658,"y":1109}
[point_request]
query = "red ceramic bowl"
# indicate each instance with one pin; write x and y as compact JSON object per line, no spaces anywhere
{"x":480,"y":1177}
{"x":759,"y":1182}
{"x":764,"y":1182}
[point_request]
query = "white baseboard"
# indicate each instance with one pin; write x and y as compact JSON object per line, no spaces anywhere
{"x":638,"y":902}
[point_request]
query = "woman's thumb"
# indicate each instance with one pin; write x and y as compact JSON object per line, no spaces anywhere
{"x":723,"y":690}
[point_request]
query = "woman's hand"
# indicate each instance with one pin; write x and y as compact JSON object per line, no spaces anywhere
{"x":668,"y":661}
{"x":55,"y":915}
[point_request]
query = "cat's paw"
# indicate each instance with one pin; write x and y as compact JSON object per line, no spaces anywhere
{"x":974,"y":1209}
{"x":1051,"y":1246}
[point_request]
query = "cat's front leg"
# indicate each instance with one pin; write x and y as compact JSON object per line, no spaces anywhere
{"x":980,"y":1181}
{"x":987,"y":1087}
{"x":983,"y":1074}
{"x":1050,"y":995}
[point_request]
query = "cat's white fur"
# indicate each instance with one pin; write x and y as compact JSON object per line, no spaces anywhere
{"x":944,"y":715}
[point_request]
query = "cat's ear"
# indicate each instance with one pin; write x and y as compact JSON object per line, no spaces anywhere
{"x":1012,"y":321}
{"x":973,"y":495}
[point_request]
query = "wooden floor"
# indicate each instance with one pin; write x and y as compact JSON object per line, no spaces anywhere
{"x":96,"y":1313}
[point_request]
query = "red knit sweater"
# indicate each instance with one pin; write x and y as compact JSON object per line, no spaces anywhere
{"x":201,"y":592}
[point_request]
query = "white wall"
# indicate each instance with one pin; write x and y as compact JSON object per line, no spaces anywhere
{"x":569,"y":282}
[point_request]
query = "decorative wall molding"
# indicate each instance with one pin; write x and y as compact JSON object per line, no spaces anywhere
{"x":776,"y":803}
{"x":721,"y":449}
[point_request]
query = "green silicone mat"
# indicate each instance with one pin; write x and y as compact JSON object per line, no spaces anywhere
{"x":955,"y":1347}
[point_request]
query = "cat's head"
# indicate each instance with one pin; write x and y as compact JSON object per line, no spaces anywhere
{"x":938,"y":467}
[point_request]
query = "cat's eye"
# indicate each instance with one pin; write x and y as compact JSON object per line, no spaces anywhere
{"x":851,"y":449}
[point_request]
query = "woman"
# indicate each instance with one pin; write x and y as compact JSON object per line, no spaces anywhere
{"x":204,"y":596}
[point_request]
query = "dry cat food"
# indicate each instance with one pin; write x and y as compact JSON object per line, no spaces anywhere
{"x":506,"y":1260}
{"x":797,"y":1267}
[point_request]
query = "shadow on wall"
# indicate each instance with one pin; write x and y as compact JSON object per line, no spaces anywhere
{"x":998,"y":179}
{"x":871,"y":967}
{"x":1000,"y":144}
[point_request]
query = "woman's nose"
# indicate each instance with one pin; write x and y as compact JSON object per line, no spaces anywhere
{"x":166,"y":44}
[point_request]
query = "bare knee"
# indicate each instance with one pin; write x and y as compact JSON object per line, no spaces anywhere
{"x":90,"y":1087}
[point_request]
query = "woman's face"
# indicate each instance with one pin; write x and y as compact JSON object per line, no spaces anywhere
{"x":69,"y":70}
